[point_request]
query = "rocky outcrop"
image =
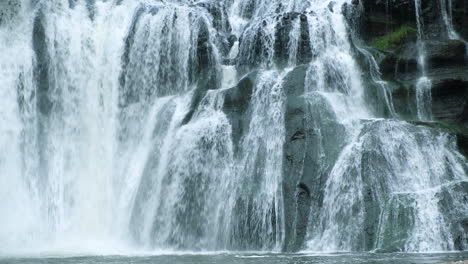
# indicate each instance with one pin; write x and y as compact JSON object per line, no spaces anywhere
{"x":384,"y":16}
{"x":403,"y":63}
{"x":256,"y":41}
{"x":297,"y":150}
{"x":236,"y":104}
{"x":282,"y":37}
{"x":304,"y":169}
{"x":445,"y":59}
{"x":217,"y":10}
{"x":460,"y":17}
{"x":447,"y":70}
{"x":449,"y":99}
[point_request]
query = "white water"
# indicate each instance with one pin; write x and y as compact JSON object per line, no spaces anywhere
{"x":423,"y":84}
{"x":101,"y":157}
{"x":446,"y":8}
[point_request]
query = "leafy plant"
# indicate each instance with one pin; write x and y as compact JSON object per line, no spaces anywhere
{"x":393,"y":40}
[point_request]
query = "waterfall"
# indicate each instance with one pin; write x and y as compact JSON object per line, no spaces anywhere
{"x":214,"y":126}
{"x":446,"y":7}
{"x":423,"y":84}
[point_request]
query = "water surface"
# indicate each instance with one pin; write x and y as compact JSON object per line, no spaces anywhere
{"x":247,"y":258}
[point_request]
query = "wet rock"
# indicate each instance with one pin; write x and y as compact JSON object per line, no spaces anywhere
{"x":9,"y":10}
{"x":236,"y":104}
{"x":449,"y":93}
{"x":220,"y":21}
{"x":254,"y":42}
{"x":41,"y":71}
{"x":383,"y":16}
{"x":403,"y":63}
{"x":283,"y":35}
{"x":450,"y":100}
{"x":452,"y":196}
{"x":205,"y":73}
{"x":460,"y":17}
{"x":460,"y":132}
{"x":448,"y":53}
{"x":447,"y":70}
{"x":305,"y":168}
{"x":218,"y":12}
{"x":297,"y":196}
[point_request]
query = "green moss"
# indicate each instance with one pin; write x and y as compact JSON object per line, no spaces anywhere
{"x":393,"y":40}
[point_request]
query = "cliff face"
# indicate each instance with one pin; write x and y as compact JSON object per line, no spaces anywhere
{"x":442,"y":36}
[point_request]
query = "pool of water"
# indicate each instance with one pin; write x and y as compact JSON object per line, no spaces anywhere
{"x":244,"y":258}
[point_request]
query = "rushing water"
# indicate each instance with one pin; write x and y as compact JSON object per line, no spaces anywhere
{"x":423,"y":84}
{"x":165,"y":125}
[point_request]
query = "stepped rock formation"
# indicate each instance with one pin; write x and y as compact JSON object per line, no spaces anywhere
{"x":258,"y":125}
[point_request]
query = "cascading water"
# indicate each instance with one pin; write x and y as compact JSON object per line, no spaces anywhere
{"x":212,"y":125}
{"x":446,"y":7}
{"x":423,"y":84}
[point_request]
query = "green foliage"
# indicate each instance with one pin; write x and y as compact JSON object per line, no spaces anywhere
{"x":393,"y":40}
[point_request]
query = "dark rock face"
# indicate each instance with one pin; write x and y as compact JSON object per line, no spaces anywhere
{"x":217,"y":10}
{"x":42,"y":67}
{"x":304,"y":175}
{"x":305,"y":167}
{"x":236,"y":103}
{"x":403,"y":63}
{"x":384,"y":16}
{"x":460,"y":17}
{"x":257,"y":38}
{"x":297,"y":194}
{"x":447,"y":68}
{"x":283,"y":29}
{"x":446,"y":60}
{"x":449,"y":82}
{"x":449,"y":99}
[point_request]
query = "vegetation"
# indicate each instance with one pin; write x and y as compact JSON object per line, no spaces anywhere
{"x":394,"y":39}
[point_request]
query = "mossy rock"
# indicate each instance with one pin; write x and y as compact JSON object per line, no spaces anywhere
{"x":394,"y":39}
